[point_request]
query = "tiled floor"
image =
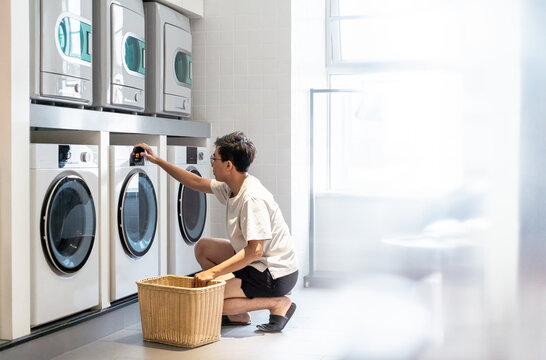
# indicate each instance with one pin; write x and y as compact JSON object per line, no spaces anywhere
{"x":383,"y":318}
{"x":301,"y":339}
{"x":379,"y":317}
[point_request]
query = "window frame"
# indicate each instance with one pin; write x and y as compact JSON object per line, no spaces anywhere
{"x":336,"y":66}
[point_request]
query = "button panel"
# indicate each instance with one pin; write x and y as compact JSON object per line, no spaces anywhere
{"x":66,"y":87}
{"x":128,"y":96}
{"x":178,"y":105}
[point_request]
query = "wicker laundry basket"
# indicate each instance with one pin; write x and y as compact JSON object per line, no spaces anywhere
{"x":174,"y":312}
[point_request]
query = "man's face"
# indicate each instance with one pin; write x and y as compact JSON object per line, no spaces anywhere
{"x":218,"y":166}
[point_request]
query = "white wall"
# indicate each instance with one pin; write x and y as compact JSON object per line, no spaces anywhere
{"x":241,"y":81}
{"x":253,"y":64}
{"x":14,"y":174}
{"x":308,"y":71}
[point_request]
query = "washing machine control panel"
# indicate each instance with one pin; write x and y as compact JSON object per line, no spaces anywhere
{"x":136,"y":159}
{"x":191,"y":155}
{"x":77,"y":156}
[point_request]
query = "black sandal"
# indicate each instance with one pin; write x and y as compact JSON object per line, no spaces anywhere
{"x":277,"y":322}
{"x":227,"y":322}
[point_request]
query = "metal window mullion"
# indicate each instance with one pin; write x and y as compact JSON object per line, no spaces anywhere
{"x":332,"y":8}
{"x":333,"y":40}
{"x":333,"y":43}
{"x":355,"y":17}
{"x":329,"y":140}
{"x":311,"y":188}
{"x":348,"y":68}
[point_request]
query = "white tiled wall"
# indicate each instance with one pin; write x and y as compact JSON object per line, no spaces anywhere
{"x":308,"y":71}
{"x":241,"y":81}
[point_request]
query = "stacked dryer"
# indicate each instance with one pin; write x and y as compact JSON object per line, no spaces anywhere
{"x":168,"y":77}
{"x":134,"y":250}
{"x":61,"y":51}
{"x":188,"y":210}
{"x":94,"y":53}
{"x":64,"y":272}
{"x":119,"y":56}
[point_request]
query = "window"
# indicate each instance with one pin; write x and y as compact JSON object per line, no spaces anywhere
{"x":393,"y":31}
{"x":401,"y":133}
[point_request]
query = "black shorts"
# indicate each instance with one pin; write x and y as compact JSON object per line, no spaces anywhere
{"x":260,"y":284}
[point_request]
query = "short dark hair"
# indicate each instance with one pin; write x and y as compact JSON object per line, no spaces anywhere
{"x":237,"y":148}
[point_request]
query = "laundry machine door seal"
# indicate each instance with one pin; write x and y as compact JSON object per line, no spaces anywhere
{"x":191,"y":211}
{"x":68,"y":223}
{"x":137,"y":213}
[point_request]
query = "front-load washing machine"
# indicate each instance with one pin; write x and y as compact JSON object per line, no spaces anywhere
{"x":168,"y":76}
{"x":64,"y":272}
{"x":119,"y":54}
{"x":61,"y":51}
{"x":134,"y":250}
{"x":188,"y":210}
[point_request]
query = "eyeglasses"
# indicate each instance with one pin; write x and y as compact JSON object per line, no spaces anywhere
{"x":212,"y":159}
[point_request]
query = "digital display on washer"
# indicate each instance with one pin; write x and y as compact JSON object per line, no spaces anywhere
{"x":68,"y":223}
{"x":64,"y":155}
{"x":191,"y":155}
{"x":137,"y":213}
{"x":192,"y":211}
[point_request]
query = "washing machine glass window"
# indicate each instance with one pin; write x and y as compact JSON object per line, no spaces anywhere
{"x":182,"y":67}
{"x":192,"y":211}
{"x":133,"y":54}
{"x":74,"y":38}
{"x":68,"y":223}
{"x":137,"y":215}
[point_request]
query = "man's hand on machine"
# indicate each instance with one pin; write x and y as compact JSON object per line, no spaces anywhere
{"x":148,"y":154}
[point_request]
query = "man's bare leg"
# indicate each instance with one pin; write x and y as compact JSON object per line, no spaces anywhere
{"x":233,"y":290}
{"x":276,"y":305}
{"x":210,"y":252}
{"x":237,"y":305}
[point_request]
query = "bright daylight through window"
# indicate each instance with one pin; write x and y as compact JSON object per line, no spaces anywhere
{"x":405,"y":121}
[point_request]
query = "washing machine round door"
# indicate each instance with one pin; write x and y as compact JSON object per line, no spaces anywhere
{"x":68,"y":223}
{"x":192,"y":211}
{"x":137,"y":213}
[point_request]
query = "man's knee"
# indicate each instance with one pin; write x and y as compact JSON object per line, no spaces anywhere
{"x":200,"y":249}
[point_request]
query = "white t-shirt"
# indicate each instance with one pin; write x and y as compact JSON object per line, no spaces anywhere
{"x":253,"y":214}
